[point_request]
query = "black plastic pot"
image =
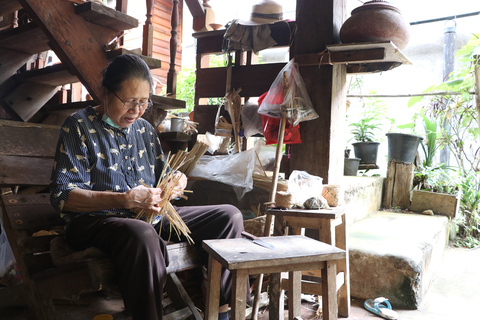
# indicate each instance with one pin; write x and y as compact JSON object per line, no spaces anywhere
{"x":402,"y":147}
{"x":366,"y":151}
{"x":350,"y":167}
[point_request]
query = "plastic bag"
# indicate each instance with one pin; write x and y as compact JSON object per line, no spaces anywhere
{"x":288,"y":97}
{"x":271,"y":125}
{"x":235,"y":169}
{"x":304,"y":186}
{"x":251,"y":120}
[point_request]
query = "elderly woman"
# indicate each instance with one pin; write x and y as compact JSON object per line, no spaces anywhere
{"x":105,"y":156}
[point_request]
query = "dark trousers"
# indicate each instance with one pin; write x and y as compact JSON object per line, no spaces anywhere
{"x":141,"y":256}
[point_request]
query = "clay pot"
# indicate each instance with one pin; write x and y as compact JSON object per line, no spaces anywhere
{"x":376,"y":21}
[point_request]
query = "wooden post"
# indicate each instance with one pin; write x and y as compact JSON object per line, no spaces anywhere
{"x":321,"y":152}
{"x":147,"y":46}
{"x":398,"y":184}
{"x":172,"y":73}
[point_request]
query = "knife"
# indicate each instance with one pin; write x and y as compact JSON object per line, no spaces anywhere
{"x":257,"y":240}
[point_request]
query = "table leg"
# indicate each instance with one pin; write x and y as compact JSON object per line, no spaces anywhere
{"x":276,"y":310}
{"x":343,"y":266}
{"x":239,"y":294}
{"x":294,"y":294}
{"x":213,"y":289}
{"x":329,"y":291}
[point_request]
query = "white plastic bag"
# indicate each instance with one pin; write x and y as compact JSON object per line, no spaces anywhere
{"x":288,"y":97}
{"x":304,"y":186}
{"x":235,"y":169}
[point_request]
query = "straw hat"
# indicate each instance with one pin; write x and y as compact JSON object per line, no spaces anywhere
{"x":264,"y":12}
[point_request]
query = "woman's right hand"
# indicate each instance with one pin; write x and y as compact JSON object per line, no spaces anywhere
{"x":144,"y":198}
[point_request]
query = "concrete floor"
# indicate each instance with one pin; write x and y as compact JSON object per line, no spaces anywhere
{"x":454,"y":295}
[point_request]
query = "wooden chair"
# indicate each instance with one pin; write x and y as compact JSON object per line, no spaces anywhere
{"x":26,"y":160}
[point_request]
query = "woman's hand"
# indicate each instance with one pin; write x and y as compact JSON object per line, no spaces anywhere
{"x":144,"y":198}
{"x":180,"y":185}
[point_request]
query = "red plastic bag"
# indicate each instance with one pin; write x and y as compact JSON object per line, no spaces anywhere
{"x":271,"y":125}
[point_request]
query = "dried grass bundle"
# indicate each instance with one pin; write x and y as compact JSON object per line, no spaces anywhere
{"x":233,"y":104}
{"x":190,"y":158}
{"x":167,"y":180}
{"x":265,"y":182}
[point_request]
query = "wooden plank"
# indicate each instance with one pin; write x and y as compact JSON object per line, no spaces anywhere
{"x":439,"y":203}
{"x":27,"y":99}
{"x":330,"y":214}
{"x":205,"y":116}
{"x":10,"y":62}
{"x":340,"y":57}
{"x":27,"y":39}
{"x":28,"y":139}
{"x":24,"y":171}
{"x":22,"y":217}
{"x":196,"y":8}
{"x":388,"y":185}
{"x":167,"y":103}
{"x":152,"y":63}
{"x":72,"y":39}
{"x":55,"y":75}
{"x":392,"y":53}
{"x":254,"y":80}
{"x":105,"y":16}
{"x":402,"y":185}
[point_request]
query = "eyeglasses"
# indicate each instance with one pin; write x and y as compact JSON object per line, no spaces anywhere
{"x":132,"y":104}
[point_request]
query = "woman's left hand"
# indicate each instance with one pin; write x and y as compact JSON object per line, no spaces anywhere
{"x":180,"y":185}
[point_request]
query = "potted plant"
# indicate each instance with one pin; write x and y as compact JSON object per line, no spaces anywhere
{"x":366,"y":128}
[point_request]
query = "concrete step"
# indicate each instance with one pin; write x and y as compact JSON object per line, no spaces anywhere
{"x":395,"y":255}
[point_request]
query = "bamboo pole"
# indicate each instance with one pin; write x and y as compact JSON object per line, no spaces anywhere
{"x":273,"y":192}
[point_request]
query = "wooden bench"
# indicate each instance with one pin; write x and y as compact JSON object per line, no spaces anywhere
{"x":26,"y":160}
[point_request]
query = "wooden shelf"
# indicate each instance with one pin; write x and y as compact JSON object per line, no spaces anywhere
{"x":367,"y":166}
{"x":106,"y":17}
{"x":366,"y":57}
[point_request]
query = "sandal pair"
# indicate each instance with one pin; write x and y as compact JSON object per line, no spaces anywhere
{"x":381,"y":307}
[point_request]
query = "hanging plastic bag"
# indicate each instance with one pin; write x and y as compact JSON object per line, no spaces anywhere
{"x":271,"y":126}
{"x":251,"y":120}
{"x":288,"y":97}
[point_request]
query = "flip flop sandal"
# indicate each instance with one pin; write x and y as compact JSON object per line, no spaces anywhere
{"x":381,"y":307}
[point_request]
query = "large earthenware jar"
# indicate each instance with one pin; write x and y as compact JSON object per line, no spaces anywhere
{"x":376,"y":21}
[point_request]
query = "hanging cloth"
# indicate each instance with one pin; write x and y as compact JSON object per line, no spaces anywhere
{"x":246,"y":38}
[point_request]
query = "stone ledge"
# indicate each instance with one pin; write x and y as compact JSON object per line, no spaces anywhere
{"x":395,"y":255}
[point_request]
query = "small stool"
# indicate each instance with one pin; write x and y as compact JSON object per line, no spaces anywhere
{"x":332,"y":227}
{"x":291,"y":254}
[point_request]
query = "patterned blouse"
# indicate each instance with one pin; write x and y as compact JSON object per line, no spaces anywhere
{"x":93,"y":155}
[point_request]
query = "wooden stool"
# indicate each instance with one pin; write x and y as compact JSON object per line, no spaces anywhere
{"x":291,"y":254}
{"x":332,"y":229}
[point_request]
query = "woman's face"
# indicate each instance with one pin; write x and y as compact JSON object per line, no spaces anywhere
{"x":137,"y":90}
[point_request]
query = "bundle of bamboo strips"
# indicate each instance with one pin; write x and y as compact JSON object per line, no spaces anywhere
{"x":167,"y":182}
{"x":233,"y":104}
{"x":190,"y":158}
{"x":265,"y":182}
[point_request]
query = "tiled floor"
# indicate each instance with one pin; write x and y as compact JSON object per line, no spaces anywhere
{"x":453,"y":295}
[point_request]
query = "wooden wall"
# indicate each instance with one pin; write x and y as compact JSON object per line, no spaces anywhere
{"x":162,"y":12}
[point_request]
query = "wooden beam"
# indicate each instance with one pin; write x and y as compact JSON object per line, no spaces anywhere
{"x":71,"y":39}
{"x":104,"y":16}
{"x":196,"y":8}
{"x":340,"y":57}
{"x":254,"y":80}
{"x":323,"y":139}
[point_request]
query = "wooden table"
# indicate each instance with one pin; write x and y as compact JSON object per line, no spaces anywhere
{"x":291,"y":254}
{"x":332,"y":229}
